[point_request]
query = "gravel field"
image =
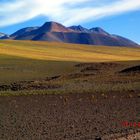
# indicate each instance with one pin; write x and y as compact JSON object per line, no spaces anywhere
{"x":69,"y":117}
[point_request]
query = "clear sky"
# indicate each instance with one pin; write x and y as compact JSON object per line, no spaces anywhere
{"x":120,"y":17}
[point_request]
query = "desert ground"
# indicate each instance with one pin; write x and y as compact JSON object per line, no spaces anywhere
{"x":58,"y":91}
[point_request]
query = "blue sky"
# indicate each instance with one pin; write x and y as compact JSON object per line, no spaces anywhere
{"x":120,"y":17}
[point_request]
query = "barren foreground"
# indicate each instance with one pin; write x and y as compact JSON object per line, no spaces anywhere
{"x":52,"y":91}
{"x":68,"y":117}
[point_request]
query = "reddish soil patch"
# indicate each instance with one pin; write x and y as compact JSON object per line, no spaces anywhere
{"x":68,"y":117}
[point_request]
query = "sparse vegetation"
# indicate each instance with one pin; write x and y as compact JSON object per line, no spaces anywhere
{"x":28,"y":60}
{"x":65,"y":91}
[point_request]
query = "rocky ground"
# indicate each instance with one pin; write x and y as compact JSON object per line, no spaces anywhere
{"x":99,"y":101}
{"x":69,"y":117}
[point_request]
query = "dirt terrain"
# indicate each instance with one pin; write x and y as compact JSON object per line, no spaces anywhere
{"x":110,"y":76}
{"x":69,"y":116}
{"x":97,"y":101}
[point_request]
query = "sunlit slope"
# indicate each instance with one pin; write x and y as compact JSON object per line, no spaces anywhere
{"x":67,"y":52}
{"x":29,"y":60}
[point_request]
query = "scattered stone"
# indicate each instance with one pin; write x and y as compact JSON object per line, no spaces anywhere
{"x":98,"y":138}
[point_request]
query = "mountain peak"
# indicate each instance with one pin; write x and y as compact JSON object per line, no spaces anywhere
{"x":51,"y":23}
{"x":54,"y":27}
{"x":53,"y":31}
{"x":78,"y":28}
{"x":98,"y":30}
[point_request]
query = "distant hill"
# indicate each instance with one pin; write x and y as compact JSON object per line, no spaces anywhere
{"x":23,"y":31}
{"x":55,"y":32}
{"x":4,"y":36}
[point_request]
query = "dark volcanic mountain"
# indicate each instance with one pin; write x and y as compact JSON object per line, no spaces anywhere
{"x":52,"y":31}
